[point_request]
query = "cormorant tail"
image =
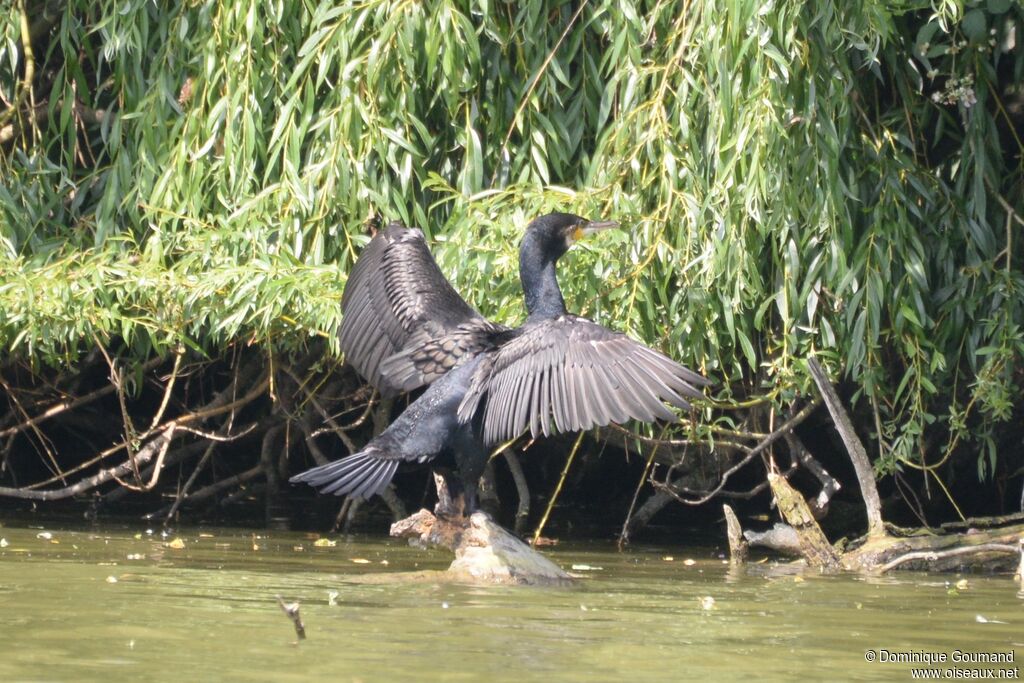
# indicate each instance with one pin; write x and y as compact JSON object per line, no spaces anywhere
{"x":361,"y":475}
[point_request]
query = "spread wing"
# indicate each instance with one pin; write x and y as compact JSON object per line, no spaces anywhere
{"x":396,"y":299}
{"x":567,"y":374}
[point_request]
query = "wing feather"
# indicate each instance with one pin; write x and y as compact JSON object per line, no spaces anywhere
{"x":398,"y":310}
{"x":568,"y":373}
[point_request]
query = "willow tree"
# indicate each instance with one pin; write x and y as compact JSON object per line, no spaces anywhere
{"x":190,"y":180}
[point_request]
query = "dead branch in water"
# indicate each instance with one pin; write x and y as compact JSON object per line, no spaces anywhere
{"x":794,"y":509}
{"x":933,"y":555}
{"x":854,"y":447}
{"x":737,"y":544}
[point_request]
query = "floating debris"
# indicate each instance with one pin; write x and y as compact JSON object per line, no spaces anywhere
{"x":111,"y":579}
{"x":136,"y":556}
{"x":3,"y":543}
{"x":962,"y":585}
{"x":324,"y":543}
{"x":668,"y":558}
{"x":332,"y":598}
{"x":360,"y":560}
{"x":689,"y":562}
{"x":707,"y":603}
{"x":45,"y":535}
{"x":176,"y":544}
{"x":586,"y":568}
{"x":982,"y":620}
{"x":291,"y":609}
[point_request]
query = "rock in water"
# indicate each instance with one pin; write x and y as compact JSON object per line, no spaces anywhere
{"x":489,"y":553}
{"x":484,"y":552}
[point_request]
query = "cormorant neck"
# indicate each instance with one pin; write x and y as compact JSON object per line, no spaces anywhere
{"x":537,"y":274}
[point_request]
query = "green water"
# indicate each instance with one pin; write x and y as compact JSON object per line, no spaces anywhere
{"x":118,"y":604}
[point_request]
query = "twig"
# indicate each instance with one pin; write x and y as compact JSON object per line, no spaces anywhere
{"x":291,"y":609}
{"x":212,"y":409}
{"x":310,"y":434}
{"x":983,"y":522}
{"x":624,"y":533}
{"x":558,"y":489}
{"x":212,"y":436}
{"x":183,"y":492}
{"x":167,"y":391}
{"x":130,"y":434}
{"x":173,"y":457}
{"x":358,"y":422}
{"x":348,"y":505}
{"x":213,"y":439}
{"x":751,"y":454}
{"x":156,"y":468}
{"x":652,"y":441}
{"x":66,"y":405}
{"x":269,"y":463}
{"x":43,"y":440}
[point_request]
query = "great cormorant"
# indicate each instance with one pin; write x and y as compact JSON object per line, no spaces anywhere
{"x":404,"y":326}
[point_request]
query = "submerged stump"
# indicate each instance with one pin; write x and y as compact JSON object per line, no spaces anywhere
{"x":484,"y":551}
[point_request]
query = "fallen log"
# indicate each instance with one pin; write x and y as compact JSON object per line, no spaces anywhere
{"x":987,"y":549}
{"x":996,"y":549}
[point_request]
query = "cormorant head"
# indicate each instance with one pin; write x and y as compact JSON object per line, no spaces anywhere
{"x":553,"y":233}
{"x":546,"y":239}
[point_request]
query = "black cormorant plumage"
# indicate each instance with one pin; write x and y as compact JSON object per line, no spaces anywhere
{"x":404,"y":327}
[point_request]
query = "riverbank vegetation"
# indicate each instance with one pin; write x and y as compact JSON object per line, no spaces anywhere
{"x":186,"y":185}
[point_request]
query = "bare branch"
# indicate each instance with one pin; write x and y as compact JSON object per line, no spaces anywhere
{"x":144,"y":455}
{"x":859,"y":457}
{"x":215,"y":407}
{"x":69,"y":404}
{"x":751,"y":454}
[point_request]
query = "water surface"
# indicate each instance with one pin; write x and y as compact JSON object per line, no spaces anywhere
{"x":125,"y":604}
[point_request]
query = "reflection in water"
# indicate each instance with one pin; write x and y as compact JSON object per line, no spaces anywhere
{"x":121,"y":604}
